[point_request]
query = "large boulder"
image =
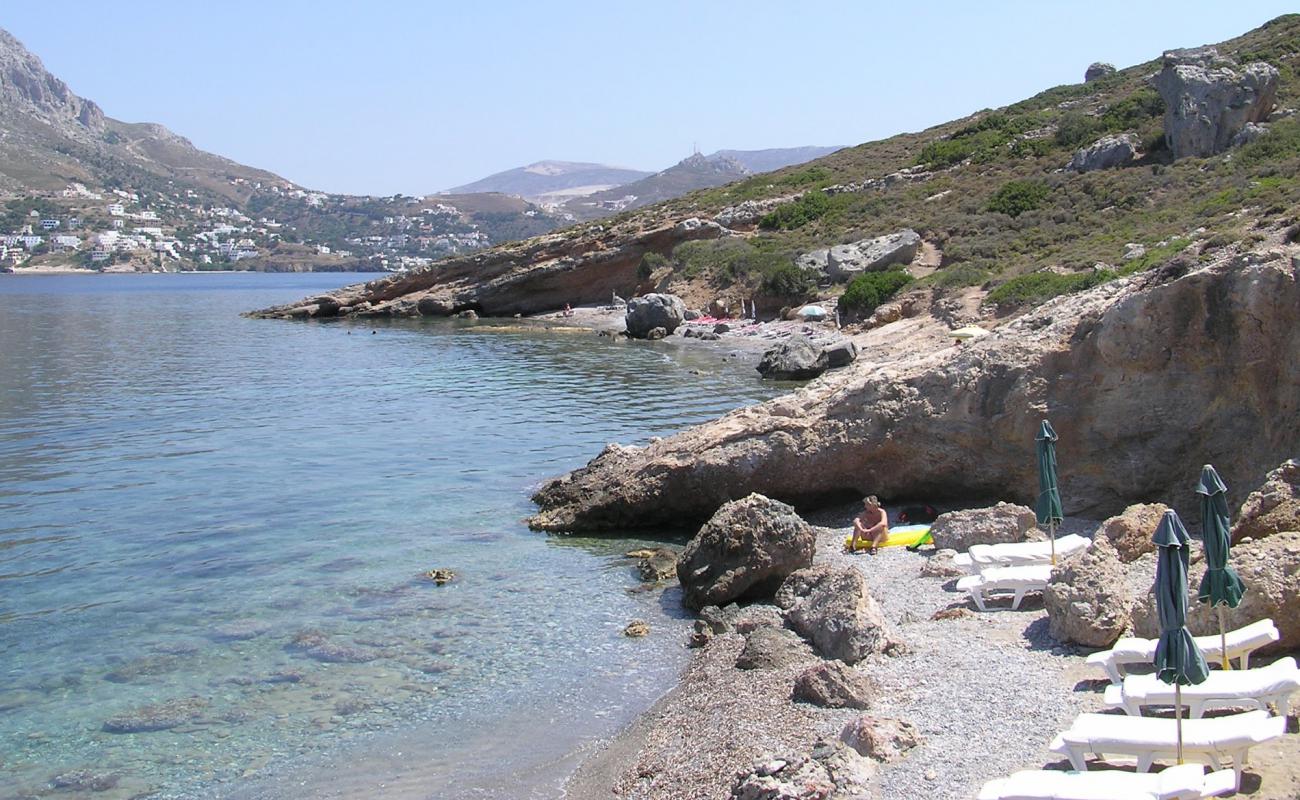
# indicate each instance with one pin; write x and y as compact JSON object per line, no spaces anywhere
{"x":650,"y":311}
{"x":1130,"y":532}
{"x":1105,"y":153}
{"x":1087,"y":600}
{"x":1273,"y":507}
{"x":833,"y":684}
{"x":869,"y":255}
{"x":1097,"y":70}
{"x":841,"y":353}
{"x":795,"y":359}
{"x":831,"y":608}
{"x":1004,"y":522}
{"x":770,"y":647}
{"x":744,"y":551}
{"x":1209,"y":99}
{"x":880,"y":738}
{"x":1269,"y":567}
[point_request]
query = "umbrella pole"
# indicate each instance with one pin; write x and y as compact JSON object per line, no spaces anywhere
{"x":1051,"y":534}
{"x":1223,"y":640}
{"x":1178,"y":718}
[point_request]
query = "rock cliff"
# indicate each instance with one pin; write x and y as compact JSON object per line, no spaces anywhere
{"x":1145,"y":379}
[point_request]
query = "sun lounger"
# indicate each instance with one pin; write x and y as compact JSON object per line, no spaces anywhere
{"x":1018,"y":554}
{"x":1018,"y":580}
{"x":1241,"y":643}
{"x":1252,"y":687}
{"x":1148,"y":738}
{"x":1183,"y":782}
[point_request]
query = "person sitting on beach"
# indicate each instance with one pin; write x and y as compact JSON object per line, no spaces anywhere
{"x":870,"y":526}
{"x":568,"y":312}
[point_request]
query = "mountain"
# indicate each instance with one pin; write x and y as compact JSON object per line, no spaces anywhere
{"x":691,"y":173}
{"x":553,"y":181}
{"x":776,"y":158}
{"x":136,"y":196}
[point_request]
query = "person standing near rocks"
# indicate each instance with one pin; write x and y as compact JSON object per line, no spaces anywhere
{"x":870,"y":526}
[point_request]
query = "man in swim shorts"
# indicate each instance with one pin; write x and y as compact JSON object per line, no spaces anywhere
{"x":870,"y":526}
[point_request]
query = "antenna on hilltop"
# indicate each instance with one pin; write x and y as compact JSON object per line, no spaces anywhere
{"x":695,"y":148}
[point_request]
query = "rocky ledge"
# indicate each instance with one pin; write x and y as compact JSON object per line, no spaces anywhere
{"x":1144,"y":379}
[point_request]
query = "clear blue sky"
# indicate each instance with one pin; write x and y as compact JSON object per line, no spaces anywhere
{"x":413,"y":97}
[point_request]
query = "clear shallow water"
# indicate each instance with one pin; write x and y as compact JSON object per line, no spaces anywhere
{"x":221,"y":523}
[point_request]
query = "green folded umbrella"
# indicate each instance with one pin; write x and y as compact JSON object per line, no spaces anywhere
{"x":1221,"y":587}
{"x":1178,"y":660}
{"x":1048,"y":507}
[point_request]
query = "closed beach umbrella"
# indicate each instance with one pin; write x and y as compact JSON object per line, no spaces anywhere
{"x":1048,"y":507}
{"x":1178,"y":660}
{"x":1221,"y":587}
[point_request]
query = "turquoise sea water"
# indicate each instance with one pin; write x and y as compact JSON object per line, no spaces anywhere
{"x":217,"y":527}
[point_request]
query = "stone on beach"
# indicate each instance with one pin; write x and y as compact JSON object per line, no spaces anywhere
{"x":1087,"y":599}
{"x":832,"y":684}
{"x":795,"y":359}
{"x":770,"y":647}
{"x":656,"y":565}
{"x":880,"y":738}
{"x":1130,"y":532}
{"x":831,"y":608}
{"x":1273,"y":507}
{"x":744,"y":551}
{"x":785,"y":778}
{"x":654,"y":310}
{"x":1004,"y":522}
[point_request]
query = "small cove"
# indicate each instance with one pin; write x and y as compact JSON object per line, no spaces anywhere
{"x":224,"y":521}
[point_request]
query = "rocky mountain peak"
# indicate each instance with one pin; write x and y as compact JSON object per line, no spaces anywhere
{"x":25,"y":84}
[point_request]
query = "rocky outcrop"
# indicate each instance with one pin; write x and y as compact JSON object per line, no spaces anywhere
{"x":1209,"y":99}
{"x":843,"y":261}
{"x":1273,"y":507}
{"x":1125,"y":371}
{"x":795,"y":359}
{"x":750,"y":212}
{"x":832,"y":609}
{"x":1004,"y":522}
{"x":1087,"y":600}
{"x":1130,"y":532}
{"x":771,"y":647}
{"x":1105,"y":153}
{"x":539,"y":274}
{"x":744,"y":551}
{"x":651,"y":311}
{"x":832,"y":684}
{"x":1097,"y":70}
{"x":1270,"y":569}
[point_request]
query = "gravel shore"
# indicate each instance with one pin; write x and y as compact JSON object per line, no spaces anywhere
{"x":986,"y":691}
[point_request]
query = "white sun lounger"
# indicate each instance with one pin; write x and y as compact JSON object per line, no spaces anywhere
{"x":1252,"y":687}
{"x":1018,"y":580}
{"x":1241,"y":643}
{"x":1183,"y":782}
{"x":1148,"y":738}
{"x":981,"y":557}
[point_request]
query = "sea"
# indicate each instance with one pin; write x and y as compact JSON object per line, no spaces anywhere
{"x":215,"y":533}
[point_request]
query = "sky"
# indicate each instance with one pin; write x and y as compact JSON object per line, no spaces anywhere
{"x":415,"y":97}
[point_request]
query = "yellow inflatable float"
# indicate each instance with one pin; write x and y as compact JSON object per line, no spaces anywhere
{"x":901,"y":536}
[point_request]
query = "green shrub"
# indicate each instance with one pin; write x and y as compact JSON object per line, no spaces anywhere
{"x":810,"y":206}
{"x":649,"y":263}
{"x":1017,"y":197}
{"x":1038,"y":287}
{"x":961,"y":275}
{"x":1075,"y":129}
{"x":1132,"y":111}
{"x":1282,"y":141}
{"x":787,"y":280}
{"x":867,"y":291}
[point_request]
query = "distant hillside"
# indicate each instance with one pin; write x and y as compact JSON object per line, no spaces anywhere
{"x":691,"y":173}
{"x":553,"y":181}
{"x":776,"y":158}
{"x":135,"y":196}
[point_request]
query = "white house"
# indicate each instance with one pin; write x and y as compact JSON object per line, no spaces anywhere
{"x":59,"y":244}
{"x":116,"y":209}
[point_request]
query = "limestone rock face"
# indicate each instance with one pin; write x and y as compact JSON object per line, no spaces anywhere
{"x":1004,"y":522}
{"x":795,"y":359}
{"x":1130,"y":532}
{"x":1209,"y":99}
{"x":651,"y":311}
{"x":868,"y":255}
{"x":1105,"y":153}
{"x":744,"y":551}
{"x":1087,"y":600}
{"x":1096,"y":70}
{"x":1126,"y":368}
{"x":831,"y":684}
{"x":832,"y":609}
{"x":771,"y":647}
{"x":1273,"y":507}
{"x":1269,"y":567}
